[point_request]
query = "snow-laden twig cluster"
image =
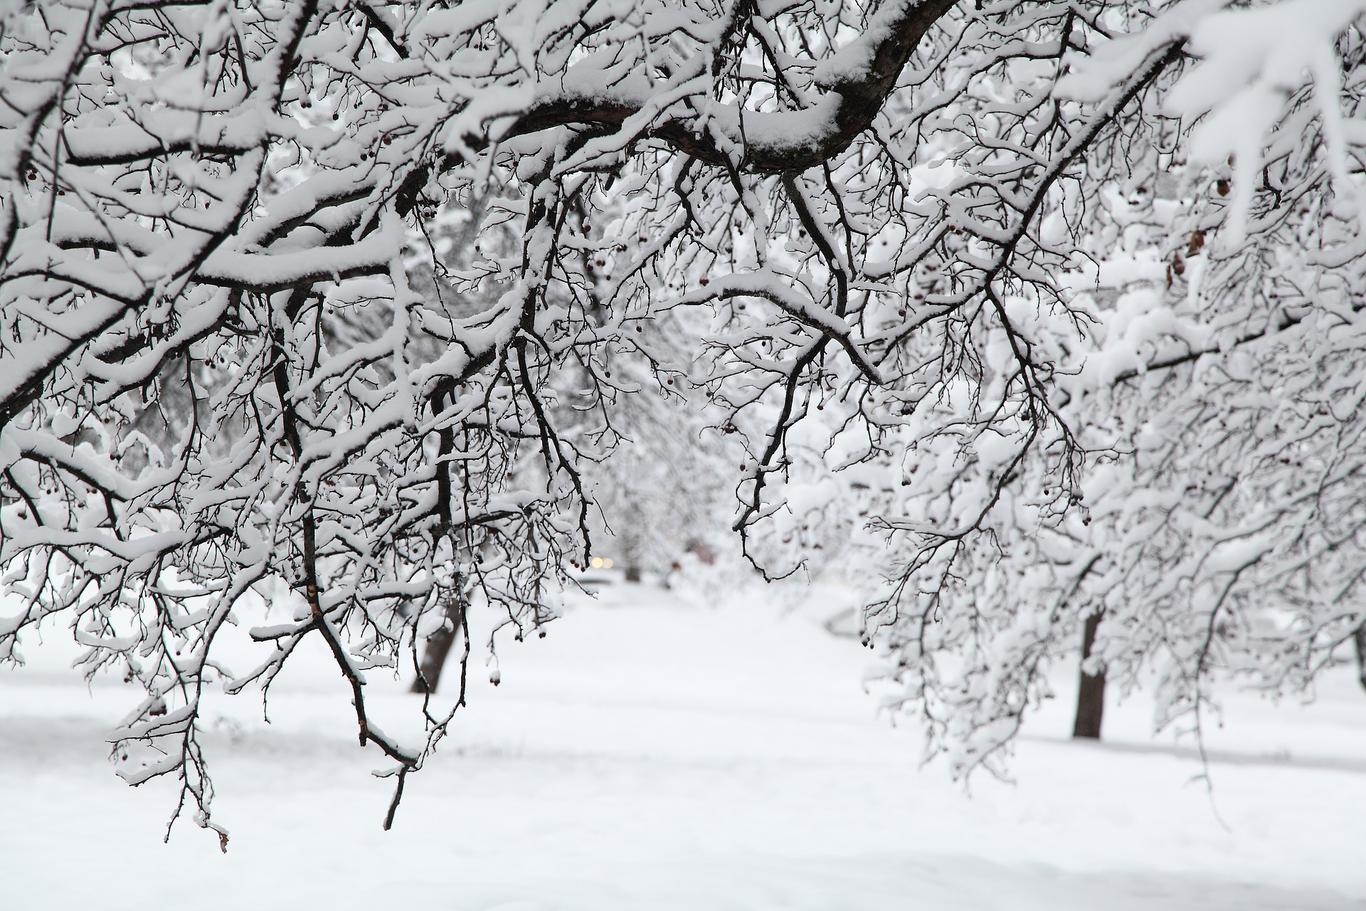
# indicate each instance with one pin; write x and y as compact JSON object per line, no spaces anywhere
{"x":362,"y":300}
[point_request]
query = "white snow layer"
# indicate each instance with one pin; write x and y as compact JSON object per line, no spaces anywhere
{"x":652,"y":754}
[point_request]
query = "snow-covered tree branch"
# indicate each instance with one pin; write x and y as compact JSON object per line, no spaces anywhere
{"x":348,"y":308}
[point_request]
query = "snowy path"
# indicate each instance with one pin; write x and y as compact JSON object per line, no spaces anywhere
{"x":681,"y":759}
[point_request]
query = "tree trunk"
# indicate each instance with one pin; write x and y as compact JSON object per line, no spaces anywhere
{"x":1360,"y":637}
{"x":439,"y":647}
{"x":1090,"y":687}
{"x":631,"y":557}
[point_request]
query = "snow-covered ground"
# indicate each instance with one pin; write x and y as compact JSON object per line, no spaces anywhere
{"x":653,"y":754}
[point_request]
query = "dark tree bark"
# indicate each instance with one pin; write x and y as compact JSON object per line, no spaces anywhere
{"x":1360,"y":637}
{"x":439,"y":646}
{"x":1090,"y":687}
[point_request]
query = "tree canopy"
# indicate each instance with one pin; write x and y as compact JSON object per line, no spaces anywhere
{"x":1032,"y":310}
